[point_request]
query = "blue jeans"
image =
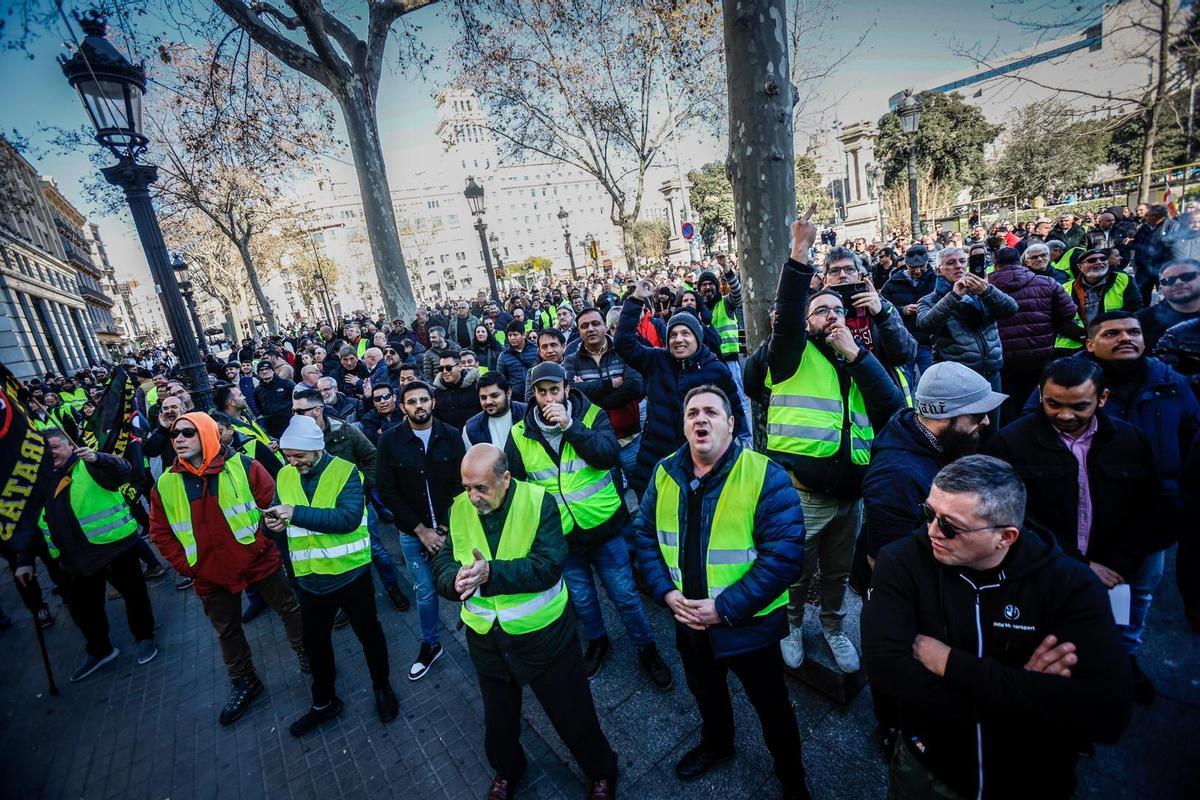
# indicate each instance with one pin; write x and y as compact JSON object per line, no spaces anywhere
{"x":611,"y":561}
{"x":1141,"y":589}
{"x":380,"y":556}
{"x":422,"y":583}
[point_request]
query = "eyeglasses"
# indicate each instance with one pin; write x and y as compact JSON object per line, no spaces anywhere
{"x":826,"y":312}
{"x":1037,"y":256}
{"x":1186,"y":277}
{"x":949,"y":530}
{"x":382,"y":398}
{"x":849,"y":269}
{"x":186,"y":433}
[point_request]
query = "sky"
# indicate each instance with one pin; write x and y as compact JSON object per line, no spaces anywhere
{"x":907,"y":44}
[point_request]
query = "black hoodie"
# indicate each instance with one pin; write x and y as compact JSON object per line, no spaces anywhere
{"x":988,"y":719}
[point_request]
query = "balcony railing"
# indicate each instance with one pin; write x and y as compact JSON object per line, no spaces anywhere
{"x":88,"y":293}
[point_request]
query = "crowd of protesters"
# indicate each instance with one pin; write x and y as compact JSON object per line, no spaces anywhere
{"x":990,"y":434}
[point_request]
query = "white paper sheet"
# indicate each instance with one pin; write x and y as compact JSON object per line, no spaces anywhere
{"x":1118,"y":598}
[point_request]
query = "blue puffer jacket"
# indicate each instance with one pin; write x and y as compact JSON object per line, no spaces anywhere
{"x":515,"y":366}
{"x":667,"y":381}
{"x":964,"y":328}
{"x":778,"y":541}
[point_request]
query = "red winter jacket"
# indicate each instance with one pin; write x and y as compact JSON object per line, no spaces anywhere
{"x":1043,"y":309}
{"x":221,"y":562}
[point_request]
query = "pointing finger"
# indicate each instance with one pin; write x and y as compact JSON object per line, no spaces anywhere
{"x":811,"y":210}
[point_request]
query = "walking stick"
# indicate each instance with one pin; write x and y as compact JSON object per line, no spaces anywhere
{"x":45,"y":656}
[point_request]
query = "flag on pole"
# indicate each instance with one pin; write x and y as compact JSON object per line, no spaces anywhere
{"x":1169,"y":199}
{"x":112,"y":422}
{"x":25,"y":465}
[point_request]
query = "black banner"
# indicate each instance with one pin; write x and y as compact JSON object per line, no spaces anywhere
{"x":111,"y":422}
{"x":25,"y":465}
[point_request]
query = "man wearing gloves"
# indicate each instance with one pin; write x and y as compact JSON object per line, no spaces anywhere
{"x":320,"y":506}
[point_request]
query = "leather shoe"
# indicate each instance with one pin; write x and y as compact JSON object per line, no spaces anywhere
{"x":697,"y":762}
{"x":386,"y":704}
{"x":502,"y":789}
{"x":604,"y":789}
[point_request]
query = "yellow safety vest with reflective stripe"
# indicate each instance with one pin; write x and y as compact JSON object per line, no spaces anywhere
{"x":234,"y":497}
{"x":902,"y":380}
{"x":103,"y":515}
{"x":586,"y":495}
{"x":73,"y":400}
{"x":726,"y":326}
{"x":1113,"y":300}
{"x":548,"y":316}
{"x":362,"y":346}
{"x":731,"y":552}
{"x":807,"y":415}
{"x":254,"y":432}
{"x":323,"y":553}
{"x":524,"y":612}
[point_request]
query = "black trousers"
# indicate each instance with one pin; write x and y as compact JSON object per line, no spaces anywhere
{"x":31,"y":593}
{"x":563,"y":691}
{"x":84,"y":596}
{"x":761,"y":674}
{"x":317,"y":611}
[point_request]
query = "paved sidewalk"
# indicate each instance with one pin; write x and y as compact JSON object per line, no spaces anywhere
{"x":151,"y":732}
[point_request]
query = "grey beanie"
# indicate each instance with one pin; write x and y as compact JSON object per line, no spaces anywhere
{"x":688,"y":320}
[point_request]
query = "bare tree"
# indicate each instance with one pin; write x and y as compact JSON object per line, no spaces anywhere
{"x":1139,"y":31}
{"x":814,"y":59}
{"x":585,"y":83}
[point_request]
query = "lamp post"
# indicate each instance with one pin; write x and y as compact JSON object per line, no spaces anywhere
{"x":562,"y":217}
{"x":474,"y":195}
{"x":494,"y":241}
{"x":910,"y":121}
{"x":876,"y":173}
{"x":312,"y":239}
{"x":189,"y":297}
{"x":111,"y":89}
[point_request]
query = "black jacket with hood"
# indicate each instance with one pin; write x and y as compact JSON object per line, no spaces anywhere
{"x":989,"y":727}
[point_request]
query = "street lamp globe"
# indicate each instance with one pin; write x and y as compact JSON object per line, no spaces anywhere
{"x":110,"y":87}
{"x":910,"y":113}
{"x":474,"y":195}
{"x":562,"y":216}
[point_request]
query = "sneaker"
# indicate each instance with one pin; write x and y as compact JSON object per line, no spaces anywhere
{"x":655,"y":668}
{"x":184,"y":582}
{"x":386,"y":704}
{"x":1143,"y":689}
{"x":44,"y":618}
{"x":244,"y":692}
{"x":593,"y":659}
{"x":305,"y":664}
{"x":792,"y":648}
{"x":157,"y":571}
{"x":843,"y":651}
{"x":314,"y":717}
{"x":254,"y":606}
{"x":146,"y":651}
{"x":399,"y":599}
{"x":425,"y":659}
{"x":91,"y":664}
{"x":340,"y":619}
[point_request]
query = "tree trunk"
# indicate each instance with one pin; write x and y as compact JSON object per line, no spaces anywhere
{"x":362,"y":129}
{"x":760,"y":162}
{"x":256,"y":287}
{"x":628,"y":243}
{"x":1157,"y":100}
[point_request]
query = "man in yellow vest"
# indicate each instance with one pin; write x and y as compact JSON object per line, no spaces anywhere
{"x":826,"y":396}
{"x":565,"y":445}
{"x":503,"y":560}
{"x":1095,"y":290}
{"x":720,"y":538}
{"x":205,"y":511}
{"x":90,"y":530}
{"x":252,"y":440}
{"x":320,"y":507}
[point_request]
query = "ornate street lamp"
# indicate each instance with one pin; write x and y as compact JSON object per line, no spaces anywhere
{"x":189,"y":297}
{"x":474,"y":195}
{"x":494,"y":241}
{"x":562,"y":217}
{"x":111,"y":89}
{"x":910,"y":122}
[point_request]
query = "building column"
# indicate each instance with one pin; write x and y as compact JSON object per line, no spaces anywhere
{"x":16,"y":349}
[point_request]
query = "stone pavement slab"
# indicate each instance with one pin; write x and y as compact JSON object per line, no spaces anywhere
{"x":152,"y":732}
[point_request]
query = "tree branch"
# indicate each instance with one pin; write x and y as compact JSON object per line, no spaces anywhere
{"x":279,"y":46}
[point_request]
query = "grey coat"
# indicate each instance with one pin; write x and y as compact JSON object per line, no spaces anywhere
{"x":965,"y":332}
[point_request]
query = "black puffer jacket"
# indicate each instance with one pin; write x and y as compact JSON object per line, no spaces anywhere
{"x":457,"y":404}
{"x":1028,"y":726}
{"x":1043,"y":310}
{"x":1179,"y":348}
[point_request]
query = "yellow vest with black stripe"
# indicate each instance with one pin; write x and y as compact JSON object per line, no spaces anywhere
{"x":524,"y":612}
{"x":726,"y":326}
{"x":234,"y":497}
{"x":586,"y":495}
{"x":323,"y":553}
{"x":731,"y":552}
{"x":807,"y":414}
{"x":252,"y":431}
{"x":103,"y":515}
{"x":1113,"y":300}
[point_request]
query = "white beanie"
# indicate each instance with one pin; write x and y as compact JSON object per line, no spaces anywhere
{"x":302,"y":434}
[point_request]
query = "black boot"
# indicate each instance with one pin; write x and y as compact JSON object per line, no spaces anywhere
{"x":655,"y":668}
{"x":244,"y":692}
{"x":386,"y":704}
{"x":593,"y":659}
{"x":314,"y":717}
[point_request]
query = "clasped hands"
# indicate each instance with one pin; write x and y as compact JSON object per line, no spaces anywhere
{"x":696,"y":614}
{"x":472,"y":576}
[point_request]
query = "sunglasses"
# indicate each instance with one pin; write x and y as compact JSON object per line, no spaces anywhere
{"x":1186,"y":277}
{"x":382,"y":398}
{"x":447,"y":367}
{"x":390,"y":352}
{"x":186,"y":433}
{"x":949,"y":530}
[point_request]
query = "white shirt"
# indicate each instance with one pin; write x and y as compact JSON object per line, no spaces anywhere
{"x":424,"y":436}
{"x":498,"y":428}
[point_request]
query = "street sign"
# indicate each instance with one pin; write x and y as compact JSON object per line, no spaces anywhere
{"x":688,"y":230}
